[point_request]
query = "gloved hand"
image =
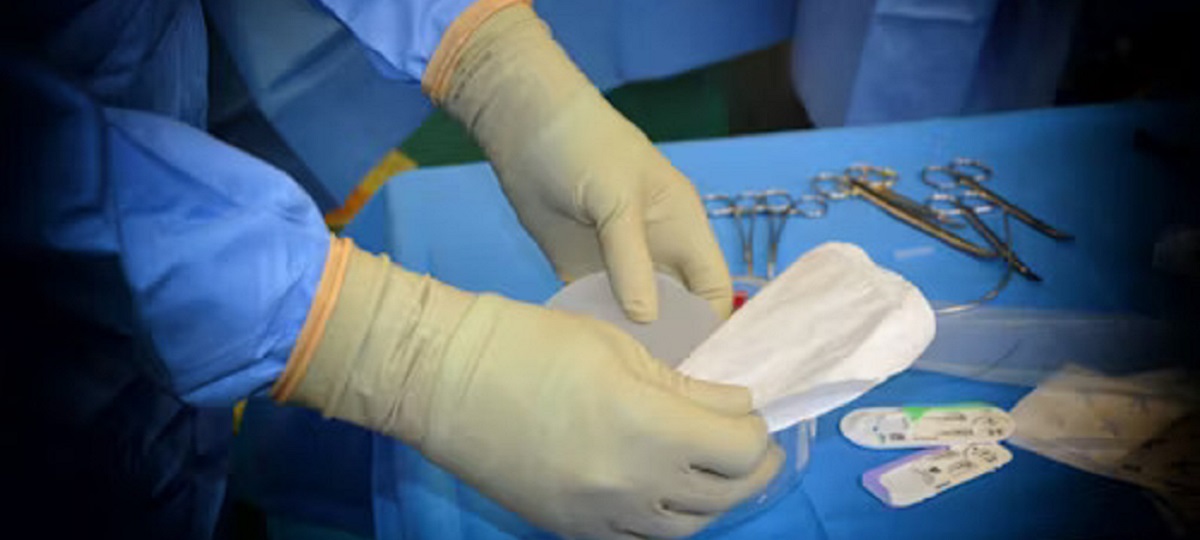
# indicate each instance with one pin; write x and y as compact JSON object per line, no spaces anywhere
{"x":586,"y":183}
{"x":563,"y":419}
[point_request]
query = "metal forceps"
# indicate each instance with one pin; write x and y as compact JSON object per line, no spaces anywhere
{"x":730,"y":206}
{"x":776,"y":206}
{"x":875,"y":185}
{"x":969,"y":175}
{"x":940,"y":200}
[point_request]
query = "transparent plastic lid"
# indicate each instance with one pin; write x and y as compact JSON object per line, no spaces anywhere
{"x":684,"y":319}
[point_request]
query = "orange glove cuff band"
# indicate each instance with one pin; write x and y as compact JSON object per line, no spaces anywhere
{"x":323,"y":302}
{"x":436,"y":82}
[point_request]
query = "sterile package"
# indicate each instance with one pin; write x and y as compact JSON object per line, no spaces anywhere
{"x":829,"y":328}
{"x":916,"y":427}
{"x":916,"y":477}
{"x":1138,"y":428}
{"x":1091,"y":421}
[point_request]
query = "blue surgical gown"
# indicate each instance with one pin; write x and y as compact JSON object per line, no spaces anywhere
{"x":220,"y":250}
{"x":325,"y":97}
{"x":858,"y":62}
{"x":165,"y":274}
{"x":159,"y":273}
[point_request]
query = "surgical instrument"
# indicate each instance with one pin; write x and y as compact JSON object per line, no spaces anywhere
{"x":776,"y":206}
{"x":886,"y":177}
{"x":996,"y":289}
{"x":875,"y":185}
{"x":730,"y":207}
{"x":970,"y":215}
{"x":970,"y":174}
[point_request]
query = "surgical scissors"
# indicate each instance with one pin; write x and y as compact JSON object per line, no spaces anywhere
{"x":970,"y":174}
{"x":875,"y":185}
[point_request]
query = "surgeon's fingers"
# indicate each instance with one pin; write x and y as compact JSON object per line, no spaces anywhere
{"x":621,"y":532}
{"x":665,"y":522}
{"x":727,"y":399}
{"x":735,"y":447}
{"x":704,"y":271}
{"x":709,"y":494}
{"x":727,"y":446}
{"x":711,"y":282}
{"x":623,"y":244}
{"x":695,"y":254}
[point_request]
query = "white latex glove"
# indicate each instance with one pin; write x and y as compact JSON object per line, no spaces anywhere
{"x":563,"y":419}
{"x":586,"y":183}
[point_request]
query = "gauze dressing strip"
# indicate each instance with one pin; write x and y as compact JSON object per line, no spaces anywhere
{"x":831,"y":327}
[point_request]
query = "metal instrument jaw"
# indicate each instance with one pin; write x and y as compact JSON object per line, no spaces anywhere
{"x":966,"y":176}
{"x":949,"y":204}
{"x":775,"y":206}
{"x":874,"y":184}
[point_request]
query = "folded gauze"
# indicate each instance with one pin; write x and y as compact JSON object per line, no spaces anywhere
{"x":824,"y":332}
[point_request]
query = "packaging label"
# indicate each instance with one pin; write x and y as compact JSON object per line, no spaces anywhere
{"x":922,"y":475}
{"x":915,"y":427}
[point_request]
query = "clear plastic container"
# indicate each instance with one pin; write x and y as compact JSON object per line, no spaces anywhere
{"x":684,"y":321}
{"x":796,"y":442}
